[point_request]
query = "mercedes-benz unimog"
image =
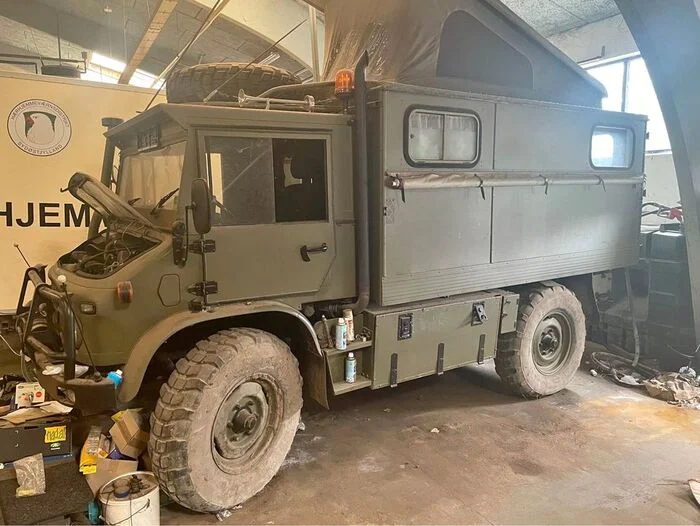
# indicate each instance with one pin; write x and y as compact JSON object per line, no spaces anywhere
{"x":456,"y":188}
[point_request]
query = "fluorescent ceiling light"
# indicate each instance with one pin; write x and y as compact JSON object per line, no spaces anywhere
{"x":106,"y":62}
{"x":272,"y":57}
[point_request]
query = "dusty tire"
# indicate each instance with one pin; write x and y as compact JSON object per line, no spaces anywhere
{"x":204,"y":452}
{"x":541,"y":357}
{"x":194,"y":83}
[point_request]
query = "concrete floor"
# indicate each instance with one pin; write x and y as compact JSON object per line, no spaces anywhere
{"x":594,"y":454}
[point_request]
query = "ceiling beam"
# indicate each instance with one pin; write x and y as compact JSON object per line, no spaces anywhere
{"x":318,"y":4}
{"x":160,"y":16}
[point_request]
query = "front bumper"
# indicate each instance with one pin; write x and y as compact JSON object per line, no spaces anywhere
{"x":92,"y":394}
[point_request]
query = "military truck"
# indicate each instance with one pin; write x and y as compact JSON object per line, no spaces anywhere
{"x":460,"y":216}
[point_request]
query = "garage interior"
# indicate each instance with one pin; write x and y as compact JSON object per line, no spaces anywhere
{"x":320,"y":262}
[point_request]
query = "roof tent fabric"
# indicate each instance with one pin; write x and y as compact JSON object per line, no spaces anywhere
{"x":463,"y":45}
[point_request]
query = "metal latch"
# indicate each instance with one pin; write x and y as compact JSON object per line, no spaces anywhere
{"x":395,"y":182}
{"x":203,"y":288}
{"x":203,"y":246}
{"x":479,"y":314}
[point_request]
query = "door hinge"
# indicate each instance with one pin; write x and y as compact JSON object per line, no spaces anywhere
{"x":479,"y":314}
{"x":203,"y":246}
{"x":203,"y":288}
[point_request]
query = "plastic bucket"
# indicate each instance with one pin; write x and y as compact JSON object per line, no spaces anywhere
{"x":137,"y":506}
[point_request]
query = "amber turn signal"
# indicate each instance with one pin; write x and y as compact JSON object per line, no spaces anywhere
{"x":344,"y":83}
{"x":125,"y":292}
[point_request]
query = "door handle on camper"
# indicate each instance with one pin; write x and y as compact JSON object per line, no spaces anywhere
{"x":306,"y":251}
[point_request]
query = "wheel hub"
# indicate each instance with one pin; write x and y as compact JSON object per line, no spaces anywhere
{"x":551,"y":344}
{"x":241,"y":423}
{"x":244,"y":421}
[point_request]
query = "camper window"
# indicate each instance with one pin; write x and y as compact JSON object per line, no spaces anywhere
{"x":437,"y":138}
{"x":264,"y":180}
{"x":612,"y":147}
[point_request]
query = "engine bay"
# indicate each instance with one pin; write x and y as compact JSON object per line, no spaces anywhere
{"x":106,"y":253}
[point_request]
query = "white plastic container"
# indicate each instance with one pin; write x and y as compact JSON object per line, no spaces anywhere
{"x":350,"y":324}
{"x":140,"y":508}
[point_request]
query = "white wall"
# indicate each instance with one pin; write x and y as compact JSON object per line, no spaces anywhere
{"x":661,"y":184}
{"x":33,"y":211}
{"x":606,"y":40}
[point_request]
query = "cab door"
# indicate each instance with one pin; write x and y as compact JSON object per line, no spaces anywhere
{"x":273,"y":220}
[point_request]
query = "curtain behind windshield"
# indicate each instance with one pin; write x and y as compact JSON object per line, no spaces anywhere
{"x":149,"y":176}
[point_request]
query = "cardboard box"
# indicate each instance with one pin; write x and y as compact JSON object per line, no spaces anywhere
{"x":48,"y":436}
{"x":107,"y":469}
{"x":129,"y":434}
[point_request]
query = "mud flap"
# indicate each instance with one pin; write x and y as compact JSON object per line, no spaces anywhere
{"x":315,"y":378}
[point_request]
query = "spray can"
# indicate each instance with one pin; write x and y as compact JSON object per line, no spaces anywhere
{"x":341,"y":334}
{"x":350,"y":323}
{"x":350,"y":368}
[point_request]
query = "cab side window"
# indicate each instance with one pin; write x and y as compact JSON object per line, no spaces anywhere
{"x":260,"y":180}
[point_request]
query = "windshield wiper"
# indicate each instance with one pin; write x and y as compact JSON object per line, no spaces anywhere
{"x":161,"y":202}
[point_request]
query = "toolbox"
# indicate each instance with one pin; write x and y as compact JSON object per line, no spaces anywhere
{"x":48,"y":436}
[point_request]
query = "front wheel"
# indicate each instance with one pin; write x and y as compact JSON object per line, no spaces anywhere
{"x":541,"y":357}
{"x":225,"y":420}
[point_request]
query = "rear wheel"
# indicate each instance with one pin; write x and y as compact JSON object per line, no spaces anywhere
{"x":541,"y":357}
{"x":226,"y":419}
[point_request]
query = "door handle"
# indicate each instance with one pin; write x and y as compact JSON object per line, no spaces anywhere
{"x":306,"y":251}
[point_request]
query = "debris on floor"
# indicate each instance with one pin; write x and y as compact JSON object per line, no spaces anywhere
{"x":621,"y":369}
{"x":676,"y":388}
{"x":680,"y":388}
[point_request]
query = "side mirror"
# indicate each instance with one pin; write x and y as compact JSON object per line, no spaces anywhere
{"x":201,"y":206}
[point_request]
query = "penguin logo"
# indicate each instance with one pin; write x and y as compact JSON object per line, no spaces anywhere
{"x":39,"y":127}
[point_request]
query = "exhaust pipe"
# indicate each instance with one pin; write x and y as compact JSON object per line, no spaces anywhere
{"x":361,"y":187}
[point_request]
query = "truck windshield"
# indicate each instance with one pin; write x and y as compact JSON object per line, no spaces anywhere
{"x":146,"y":177}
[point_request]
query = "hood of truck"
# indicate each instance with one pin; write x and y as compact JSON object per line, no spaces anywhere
{"x":97,"y":196}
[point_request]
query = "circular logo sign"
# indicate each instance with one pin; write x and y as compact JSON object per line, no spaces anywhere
{"x":39,"y":127}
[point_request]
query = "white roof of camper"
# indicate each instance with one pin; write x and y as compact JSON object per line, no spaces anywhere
{"x":461,"y":45}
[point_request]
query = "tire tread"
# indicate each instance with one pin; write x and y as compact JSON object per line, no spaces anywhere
{"x":195,"y":83}
{"x":179,"y":399}
{"x":510,"y":345}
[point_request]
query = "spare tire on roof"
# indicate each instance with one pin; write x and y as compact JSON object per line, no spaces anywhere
{"x":195,"y":83}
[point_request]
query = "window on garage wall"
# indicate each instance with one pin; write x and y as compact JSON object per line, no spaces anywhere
{"x":630,"y":89}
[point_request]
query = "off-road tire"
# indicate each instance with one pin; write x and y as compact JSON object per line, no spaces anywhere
{"x":182,"y":448}
{"x":195,"y":83}
{"x":516,"y":356}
